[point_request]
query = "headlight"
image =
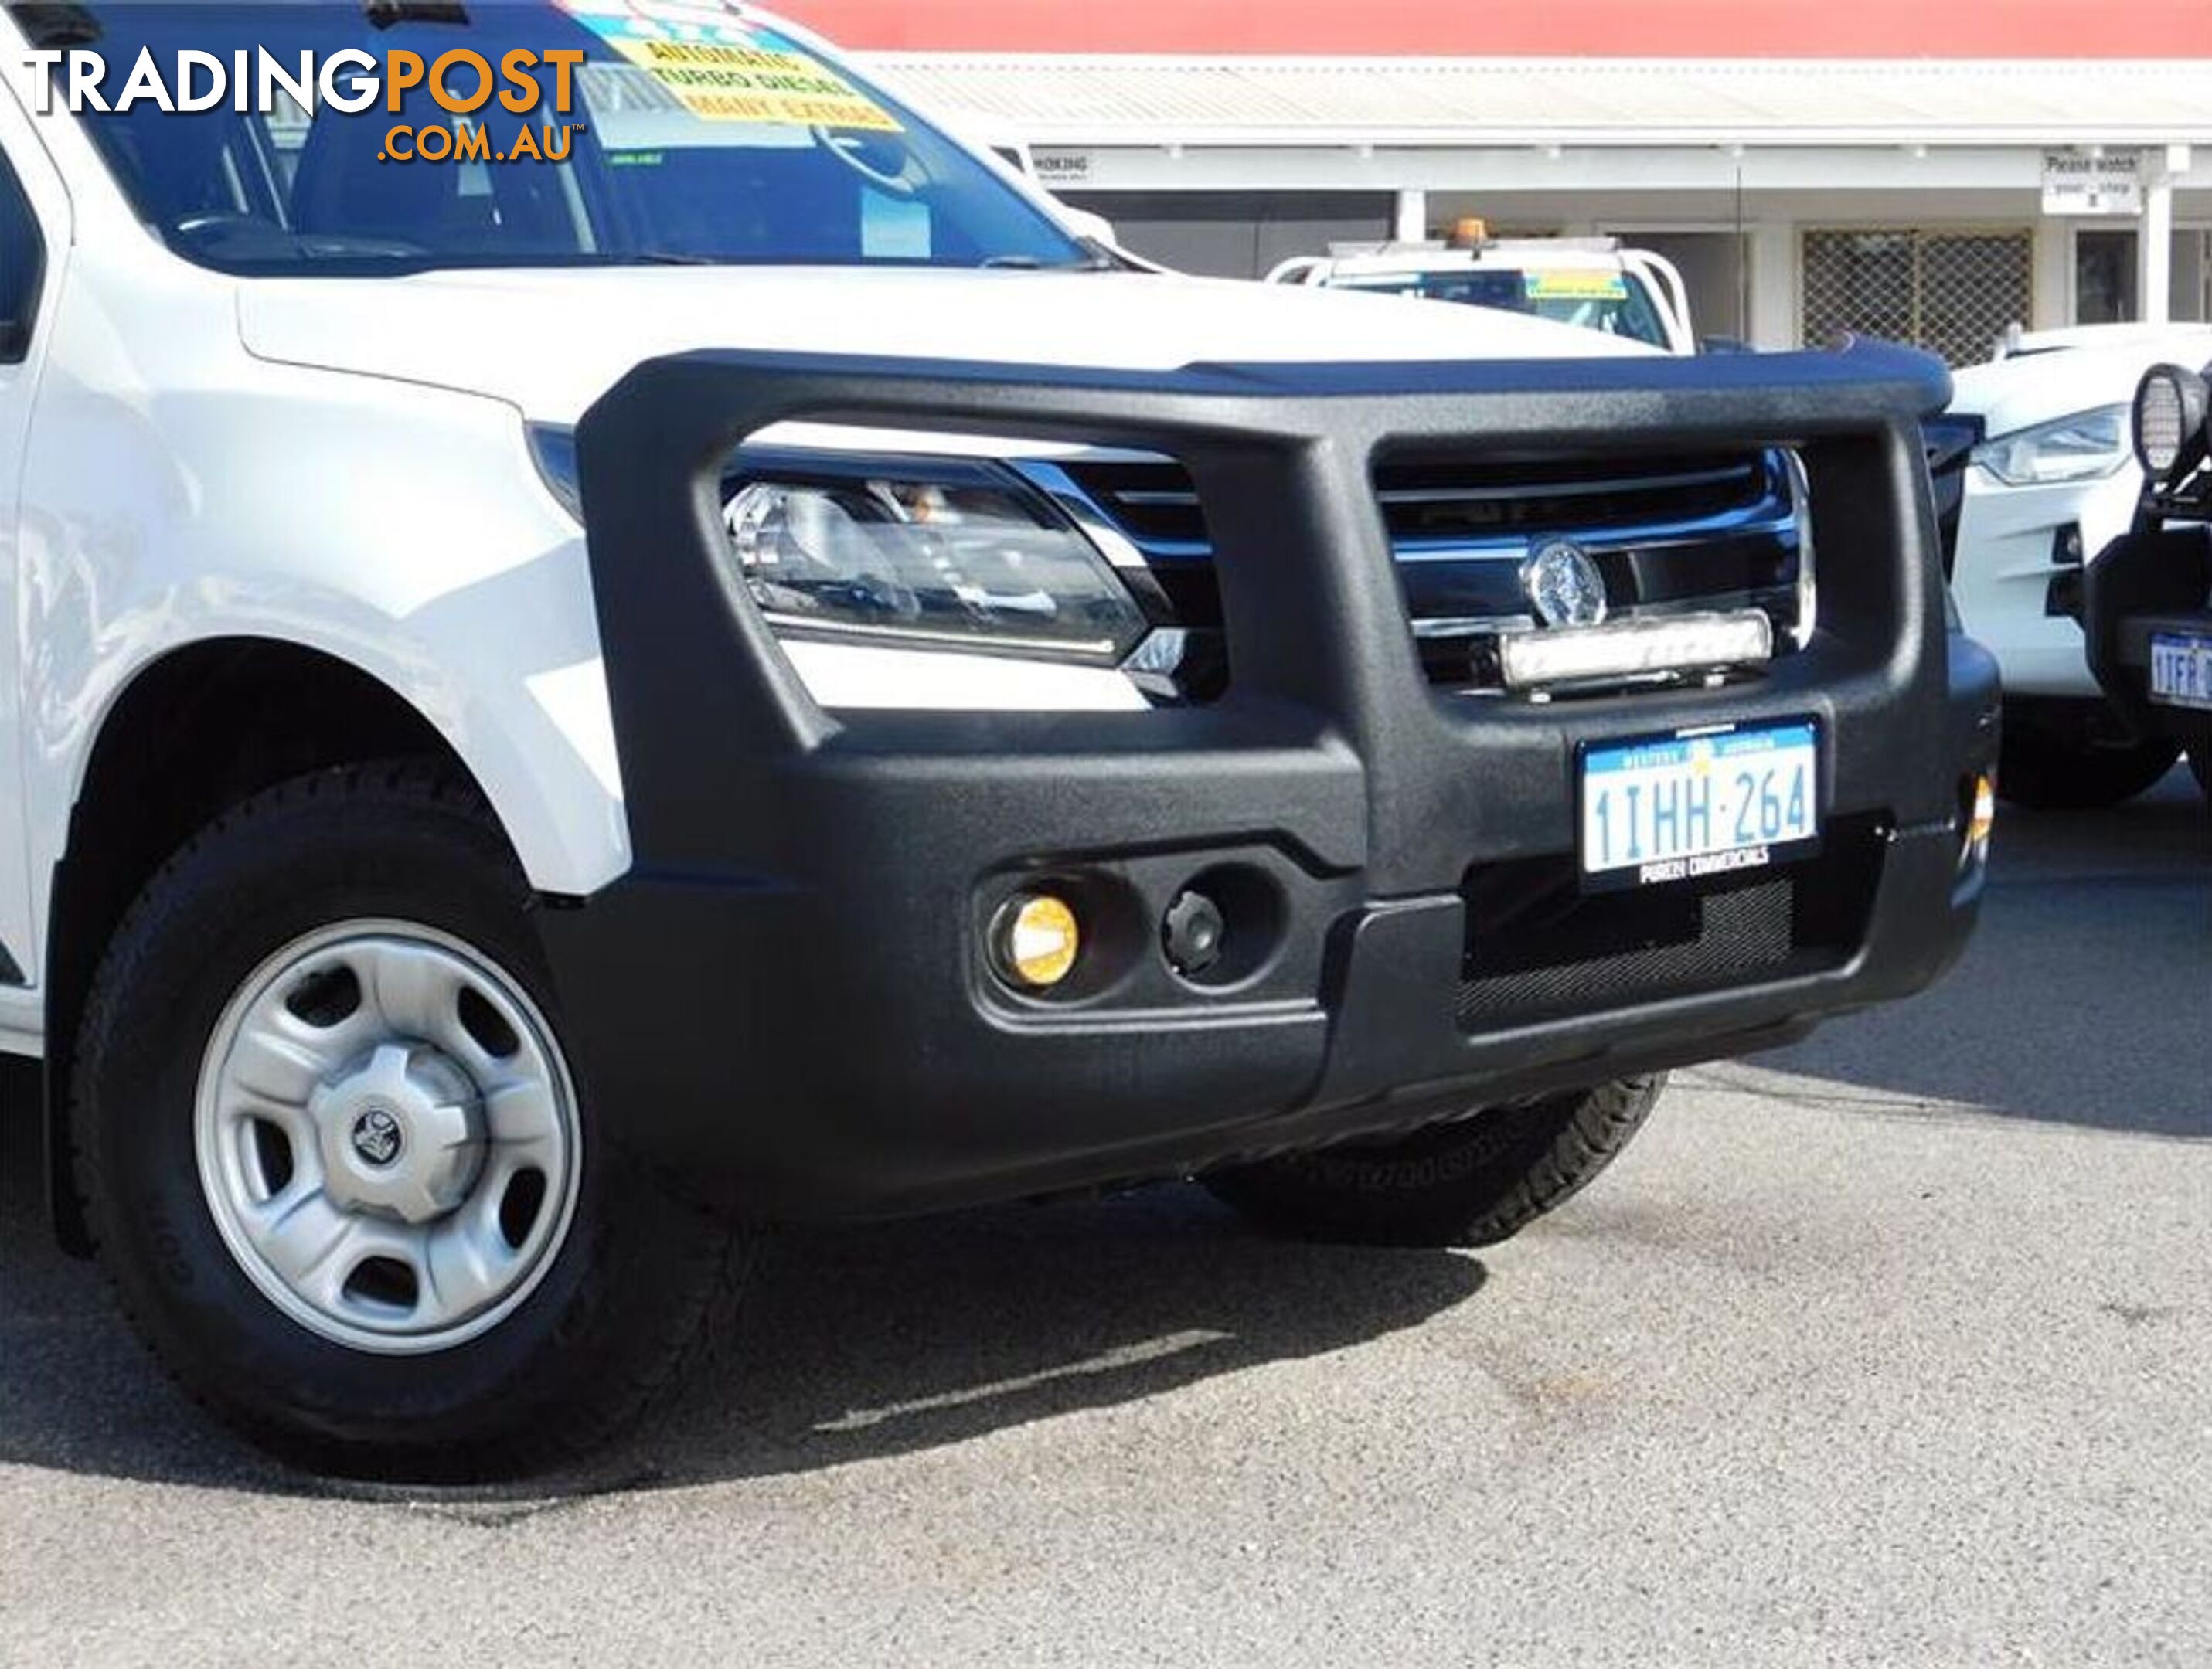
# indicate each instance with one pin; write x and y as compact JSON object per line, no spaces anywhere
{"x":2169,"y":418}
{"x":2083,"y":447}
{"x":924,"y":553}
{"x":920,"y":553}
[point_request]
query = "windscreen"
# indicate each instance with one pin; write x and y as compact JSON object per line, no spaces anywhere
{"x":1596,"y":298}
{"x":716,"y":141}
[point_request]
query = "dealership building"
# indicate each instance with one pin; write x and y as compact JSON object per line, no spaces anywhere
{"x":1936,"y":175}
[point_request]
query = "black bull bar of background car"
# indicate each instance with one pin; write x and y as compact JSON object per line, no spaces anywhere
{"x":788,"y":987}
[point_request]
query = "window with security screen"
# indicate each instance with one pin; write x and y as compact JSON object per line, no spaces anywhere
{"x":1952,"y":293}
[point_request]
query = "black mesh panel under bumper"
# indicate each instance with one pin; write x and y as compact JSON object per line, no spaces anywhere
{"x":789,"y":991}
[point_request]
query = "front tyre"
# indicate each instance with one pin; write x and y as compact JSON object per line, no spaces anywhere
{"x":337,"y":1162}
{"x":1473,"y":1182}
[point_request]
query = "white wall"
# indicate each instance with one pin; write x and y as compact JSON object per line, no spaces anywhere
{"x":1773,"y":195}
{"x":1771,"y":222}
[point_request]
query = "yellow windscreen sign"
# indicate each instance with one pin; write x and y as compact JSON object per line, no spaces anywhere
{"x":721,"y":72}
{"x":1573,"y":284}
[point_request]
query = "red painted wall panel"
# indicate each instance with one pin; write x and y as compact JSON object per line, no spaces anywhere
{"x":1617,"y":28}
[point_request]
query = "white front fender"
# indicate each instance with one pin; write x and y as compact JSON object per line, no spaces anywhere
{"x":399,"y":529}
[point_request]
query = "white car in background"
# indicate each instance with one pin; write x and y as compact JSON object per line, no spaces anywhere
{"x":1591,"y":283}
{"x":2035,"y":476}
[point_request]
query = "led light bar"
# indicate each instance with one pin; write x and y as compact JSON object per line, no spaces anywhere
{"x":1636,"y":649}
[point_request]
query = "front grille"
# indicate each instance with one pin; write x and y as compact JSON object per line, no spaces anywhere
{"x":1685,"y":532}
{"x":1463,"y":502}
{"x":1459,"y":502}
{"x":1154,"y":502}
{"x":1539,"y":948}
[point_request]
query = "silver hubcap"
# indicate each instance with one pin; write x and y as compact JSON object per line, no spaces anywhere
{"x":387,"y":1137}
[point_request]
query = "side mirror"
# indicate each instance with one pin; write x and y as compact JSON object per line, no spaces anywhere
{"x":15,"y":339}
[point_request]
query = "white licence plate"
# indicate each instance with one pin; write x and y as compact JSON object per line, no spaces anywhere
{"x":1703,"y":803}
{"x":2181,"y":670}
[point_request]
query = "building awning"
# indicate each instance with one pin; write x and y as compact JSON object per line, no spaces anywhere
{"x":1106,"y":101}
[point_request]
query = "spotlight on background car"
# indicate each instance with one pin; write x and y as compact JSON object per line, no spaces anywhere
{"x":2170,"y":404}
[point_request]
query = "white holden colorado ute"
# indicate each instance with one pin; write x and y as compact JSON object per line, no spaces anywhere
{"x":592,"y":668}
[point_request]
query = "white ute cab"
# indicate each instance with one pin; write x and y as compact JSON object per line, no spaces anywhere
{"x":444,"y":929}
{"x":1592,"y":283}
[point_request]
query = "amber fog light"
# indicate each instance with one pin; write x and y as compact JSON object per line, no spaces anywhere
{"x":1037,"y":940}
{"x":1981,"y":818}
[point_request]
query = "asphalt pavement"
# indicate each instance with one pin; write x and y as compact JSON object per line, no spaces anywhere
{"x":1894,"y":1348}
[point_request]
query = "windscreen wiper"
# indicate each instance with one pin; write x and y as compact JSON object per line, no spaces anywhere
{"x":386,"y":14}
{"x":1097,"y":258}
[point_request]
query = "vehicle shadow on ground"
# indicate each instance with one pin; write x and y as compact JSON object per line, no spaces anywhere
{"x":2085,"y":998}
{"x":852,"y":1343}
{"x":863,"y":1343}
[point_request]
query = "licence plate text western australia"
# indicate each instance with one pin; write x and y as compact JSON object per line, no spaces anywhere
{"x":1678,"y":808}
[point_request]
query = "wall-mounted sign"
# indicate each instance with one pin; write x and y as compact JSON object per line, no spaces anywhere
{"x":2077,"y":183}
{"x":1062,"y":168}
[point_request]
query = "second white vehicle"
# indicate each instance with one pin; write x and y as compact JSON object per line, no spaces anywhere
{"x":1592,"y":283}
{"x":2035,"y":477}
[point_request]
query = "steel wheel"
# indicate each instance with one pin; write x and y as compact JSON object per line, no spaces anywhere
{"x":387,"y":1137}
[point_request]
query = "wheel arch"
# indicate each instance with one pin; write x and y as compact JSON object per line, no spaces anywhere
{"x":193,"y":732}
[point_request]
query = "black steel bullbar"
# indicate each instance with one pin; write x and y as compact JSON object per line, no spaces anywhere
{"x":787,"y":991}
